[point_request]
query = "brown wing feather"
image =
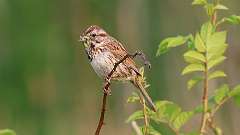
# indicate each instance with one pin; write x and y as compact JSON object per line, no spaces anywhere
{"x":119,"y":52}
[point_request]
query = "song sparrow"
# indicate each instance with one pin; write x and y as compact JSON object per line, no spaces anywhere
{"x":104,"y":51}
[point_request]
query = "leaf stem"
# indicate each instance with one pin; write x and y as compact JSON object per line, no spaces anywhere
{"x":205,"y":114}
{"x":214,"y":18}
{"x":216,"y":108}
{"x":204,"y":101}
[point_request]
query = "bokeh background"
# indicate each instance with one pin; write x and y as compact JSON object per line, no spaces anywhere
{"x":47,"y":86}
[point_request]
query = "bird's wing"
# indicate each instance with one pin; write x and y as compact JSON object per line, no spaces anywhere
{"x":120,"y":52}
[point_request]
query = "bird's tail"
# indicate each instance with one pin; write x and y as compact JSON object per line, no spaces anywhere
{"x":139,"y":84}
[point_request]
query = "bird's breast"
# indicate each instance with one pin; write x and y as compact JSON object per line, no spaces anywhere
{"x":103,"y":63}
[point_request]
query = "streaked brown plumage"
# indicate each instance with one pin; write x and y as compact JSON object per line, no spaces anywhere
{"x":104,"y":51}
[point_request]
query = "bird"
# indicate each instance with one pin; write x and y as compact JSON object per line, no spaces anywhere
{"x":104,"y":51}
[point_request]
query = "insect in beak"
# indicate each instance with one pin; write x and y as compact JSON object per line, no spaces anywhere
{"x":81,"y":39}
{"x":84,"y":40}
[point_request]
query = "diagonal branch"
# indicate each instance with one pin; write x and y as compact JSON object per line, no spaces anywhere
{"x":107,"y":90}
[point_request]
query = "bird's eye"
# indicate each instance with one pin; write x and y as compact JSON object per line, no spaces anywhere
{"x":93,"y":35}
{"x":92,"y":45}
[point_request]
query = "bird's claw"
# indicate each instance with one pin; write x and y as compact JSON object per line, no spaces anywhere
{"x":106,"y":91}
{"x":106,"y":88}
{"x":107,"y":80}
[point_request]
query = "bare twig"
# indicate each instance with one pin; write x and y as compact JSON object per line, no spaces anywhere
{"x":101,"y":120}
{"x":107,"y":90}
{"x":136,"y":128}
{"x":143,"y":102}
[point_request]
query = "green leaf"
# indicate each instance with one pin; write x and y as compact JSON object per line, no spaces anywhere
{"x":192,"y":82}
{"x":199,"y":2}
{"x":216,"y":74}
{"x":194,"y":57}
{"x":235,"y":91}
{"x":216,"y":45}
{"x":216,"y":62}
{"x":133,"y":98}
{"x":190,"y":42}
{"x":136,"y":116}
{"x":221,"y":93}
{"x":181,"y":119}
{"x":220,"y":7}
{"x":216,"y":51}
{"x":169,"y":43}
{"x":199,"y":44}
{"x":166,"y":111}
{"x":206,"y":31}
{"x":152,"y":131}
{"x":234,"y":19}
{"x":7,"y":132}
{"x":237,"y":99}
{"x":170,"y":113}
{"x":216,"y":39}
{"x":192,"y":68}
{"x":198,"y":109}
{"x":176,"y":41}
{"x":209,"y":9}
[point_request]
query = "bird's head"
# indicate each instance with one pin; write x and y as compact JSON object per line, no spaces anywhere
{"x":93,"y":35}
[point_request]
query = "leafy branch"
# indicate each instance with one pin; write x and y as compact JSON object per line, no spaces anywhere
{"x":205,"y":51}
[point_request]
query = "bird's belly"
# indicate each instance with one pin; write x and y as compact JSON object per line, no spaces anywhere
{"x":102,"y":64}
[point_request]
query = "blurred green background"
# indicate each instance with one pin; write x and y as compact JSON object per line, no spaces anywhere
{"x":47,"y":86}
